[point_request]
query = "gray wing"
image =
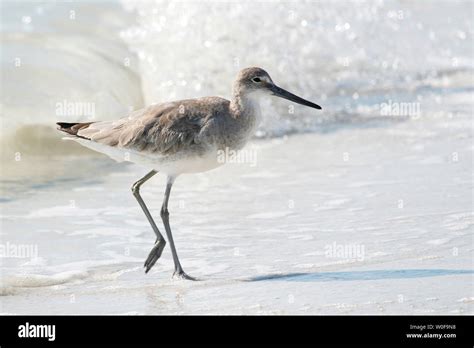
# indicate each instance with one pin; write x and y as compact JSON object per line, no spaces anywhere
{"x":163,"y":128}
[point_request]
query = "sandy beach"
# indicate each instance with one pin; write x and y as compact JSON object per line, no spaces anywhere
{"x":304,"y":231}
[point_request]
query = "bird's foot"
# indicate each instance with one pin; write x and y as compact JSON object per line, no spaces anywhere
{"x":154,"y":255}
{"x":181,"y":275}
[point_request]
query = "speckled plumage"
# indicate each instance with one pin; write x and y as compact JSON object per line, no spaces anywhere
{"x":190,"y":127}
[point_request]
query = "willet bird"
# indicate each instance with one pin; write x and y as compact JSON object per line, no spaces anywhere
{"x":181,"y":137}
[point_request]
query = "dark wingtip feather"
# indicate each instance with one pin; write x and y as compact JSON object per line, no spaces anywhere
{"x":65,"y":125}
{"x":72,"y":128}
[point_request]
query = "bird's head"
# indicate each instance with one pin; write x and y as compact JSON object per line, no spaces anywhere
{"x":255,"y":80}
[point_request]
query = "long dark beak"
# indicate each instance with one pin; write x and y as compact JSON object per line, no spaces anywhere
{"x":280,"y":92}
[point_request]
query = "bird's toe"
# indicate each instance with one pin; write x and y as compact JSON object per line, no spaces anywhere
{"x":154,"y":255}
{"x":183,"y":275}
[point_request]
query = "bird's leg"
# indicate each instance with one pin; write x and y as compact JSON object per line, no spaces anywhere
{"x":160,"y":243}
{"x":178,"y":270}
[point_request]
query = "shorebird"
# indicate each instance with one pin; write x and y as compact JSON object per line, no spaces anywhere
{"x":181,"y":137}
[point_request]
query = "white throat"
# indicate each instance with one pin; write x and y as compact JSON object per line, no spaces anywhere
{"x":251,"y":104}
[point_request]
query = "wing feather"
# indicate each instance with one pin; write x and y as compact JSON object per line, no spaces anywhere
{"x":163,"y":128}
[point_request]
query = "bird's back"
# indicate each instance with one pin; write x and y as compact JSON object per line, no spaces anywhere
{"x":164,"y":129}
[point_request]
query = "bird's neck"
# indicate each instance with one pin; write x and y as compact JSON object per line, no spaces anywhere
{"x":245,"y":113}
{"x":245,"y":106}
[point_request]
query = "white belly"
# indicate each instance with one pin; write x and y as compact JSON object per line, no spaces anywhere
{"x":189,"y":164}
{"x":170,"y":165}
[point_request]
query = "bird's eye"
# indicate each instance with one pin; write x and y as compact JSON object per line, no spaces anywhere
{"x":256,"y":79}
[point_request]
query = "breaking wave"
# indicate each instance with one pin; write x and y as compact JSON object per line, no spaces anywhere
{"x":349,"y":59}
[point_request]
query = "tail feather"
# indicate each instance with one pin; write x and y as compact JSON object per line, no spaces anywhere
{"x":73,"y":128}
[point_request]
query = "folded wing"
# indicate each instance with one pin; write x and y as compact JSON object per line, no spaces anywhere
{"x":163,"y":128}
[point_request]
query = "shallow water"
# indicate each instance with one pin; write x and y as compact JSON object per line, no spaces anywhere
{"x":349,"y":210}
{"x":402,"y":213}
